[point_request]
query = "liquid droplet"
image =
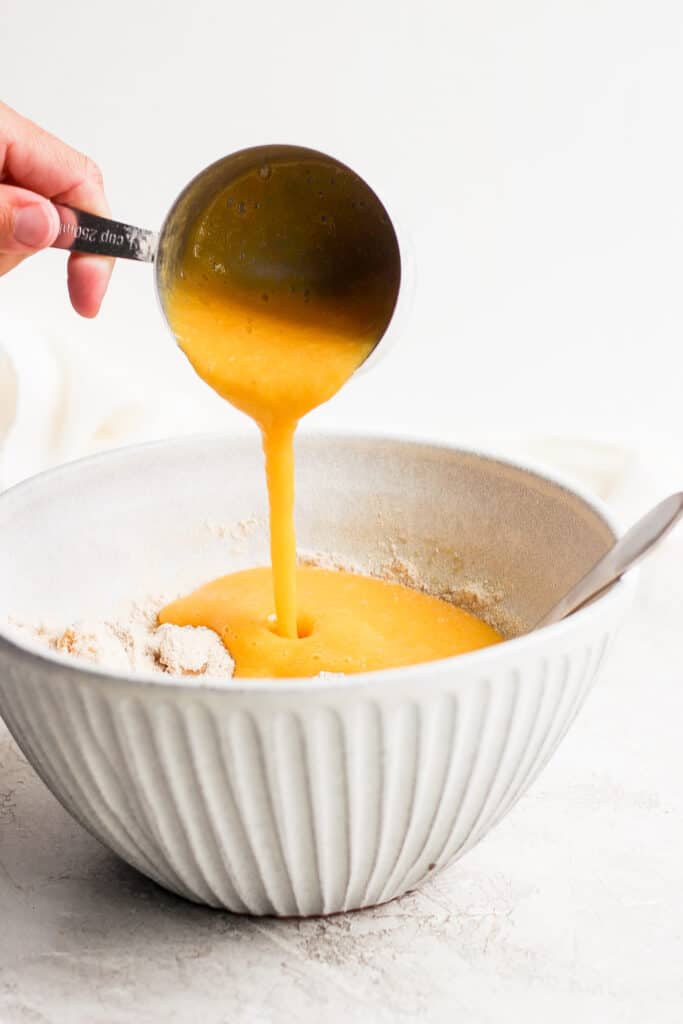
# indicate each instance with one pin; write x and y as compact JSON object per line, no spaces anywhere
{"x":264,"y":171}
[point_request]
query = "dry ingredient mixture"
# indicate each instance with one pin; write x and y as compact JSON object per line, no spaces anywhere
{"x":133,"y":641}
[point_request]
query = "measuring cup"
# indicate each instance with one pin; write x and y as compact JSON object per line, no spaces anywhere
{"x":296,"y":226}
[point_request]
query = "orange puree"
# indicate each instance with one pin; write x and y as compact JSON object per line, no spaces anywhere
{"x":347,"y":623}
{"x":263,"y":351}
{"x":275,"y":371}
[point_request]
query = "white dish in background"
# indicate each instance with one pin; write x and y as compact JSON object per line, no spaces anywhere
{"x":296,"y":797}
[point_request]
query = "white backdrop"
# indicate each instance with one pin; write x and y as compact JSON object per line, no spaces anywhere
{"x":531,"y":151}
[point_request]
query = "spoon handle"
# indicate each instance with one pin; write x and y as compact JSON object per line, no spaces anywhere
{"x":628,"y":550}
{"x":86,"y":232}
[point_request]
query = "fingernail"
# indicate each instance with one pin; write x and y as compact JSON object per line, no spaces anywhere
{"x":34,"y":225}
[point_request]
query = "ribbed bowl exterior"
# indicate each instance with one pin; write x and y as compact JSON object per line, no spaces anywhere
{"x":289,"y":801}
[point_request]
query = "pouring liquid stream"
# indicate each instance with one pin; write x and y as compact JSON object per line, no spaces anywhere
{"x":275,"y":371}
{"x":276,"y":344}
{"x":266,"y":350}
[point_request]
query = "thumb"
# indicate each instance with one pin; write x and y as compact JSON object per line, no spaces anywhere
{"x":28,"y":222}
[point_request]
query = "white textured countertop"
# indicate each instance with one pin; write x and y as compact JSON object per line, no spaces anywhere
{"x":571,"y":909}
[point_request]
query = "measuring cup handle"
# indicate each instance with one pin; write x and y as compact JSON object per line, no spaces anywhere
{"x":86,"y":232}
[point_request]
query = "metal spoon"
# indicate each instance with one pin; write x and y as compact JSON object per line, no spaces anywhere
{"x":634,"y":545}
{"x":290,"y":223}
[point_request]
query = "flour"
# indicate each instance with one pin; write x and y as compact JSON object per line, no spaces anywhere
{"x":191,"y":651}
{"x":133,"y":641}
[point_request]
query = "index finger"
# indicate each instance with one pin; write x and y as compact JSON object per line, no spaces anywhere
{"x":34,"y":159}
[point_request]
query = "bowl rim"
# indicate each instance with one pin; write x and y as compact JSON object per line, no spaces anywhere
{"x":483,"y":659}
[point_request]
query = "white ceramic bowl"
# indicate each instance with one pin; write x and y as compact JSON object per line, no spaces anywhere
{"x":307,"y":796}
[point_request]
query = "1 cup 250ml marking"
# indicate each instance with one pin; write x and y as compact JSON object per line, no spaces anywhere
{"x":88,"y":234}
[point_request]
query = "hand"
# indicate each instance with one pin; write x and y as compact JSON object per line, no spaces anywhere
{"x":35,"y":167}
